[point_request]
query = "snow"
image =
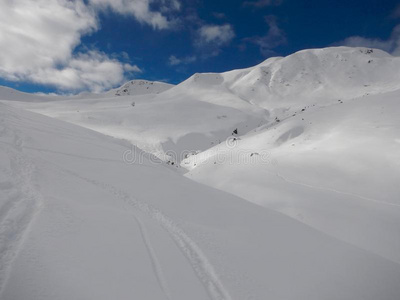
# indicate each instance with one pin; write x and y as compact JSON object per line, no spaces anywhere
{"x":206,"y":108}
{"x":142,"y":87}
{"x":177,"y":120}
{"x":10,"y":94}
{"x":302,"y":203}
{"x":334,"y":168}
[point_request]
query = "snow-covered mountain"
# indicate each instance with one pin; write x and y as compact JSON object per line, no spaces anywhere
{"x":312,"y":140}
{"x":205,"y":109}
{"x":316,"y":75}
{"x":142,"y":87}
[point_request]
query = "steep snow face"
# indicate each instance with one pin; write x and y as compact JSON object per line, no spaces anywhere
{"x":141,"y":87}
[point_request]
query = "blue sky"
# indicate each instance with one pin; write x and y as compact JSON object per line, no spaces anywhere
{"x":73,"y":45}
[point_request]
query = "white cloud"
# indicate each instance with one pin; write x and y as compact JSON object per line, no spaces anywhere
{"x":174,"y":61}
{"x":263,"y":3}
{"x":141,"y":10}
{"x":93,"y":70}
{"x":274,"y":38}
{"x":209,"y":39}
{"x":40,"y":34}
{"x":38,"y":40}
{"x":130,"y":68}
{"x":391,"y":45}
{"x":215,"y":34}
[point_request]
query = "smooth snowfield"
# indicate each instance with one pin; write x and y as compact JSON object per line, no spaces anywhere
{"x":290,"y":186}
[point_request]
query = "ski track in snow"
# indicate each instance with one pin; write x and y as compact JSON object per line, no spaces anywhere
{"x":20,"y":207}
{"x":154,"y":260}
{"x":197,"y":259}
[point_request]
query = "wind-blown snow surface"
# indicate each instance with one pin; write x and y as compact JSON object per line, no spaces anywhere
{"x":317,"y":149}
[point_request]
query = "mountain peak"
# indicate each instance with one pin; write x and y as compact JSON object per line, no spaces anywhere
{"x":142,"y":87}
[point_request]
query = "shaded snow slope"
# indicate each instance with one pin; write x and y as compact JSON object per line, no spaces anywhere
{"x":76,"y":222}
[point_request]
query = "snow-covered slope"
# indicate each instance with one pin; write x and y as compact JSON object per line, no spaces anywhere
{"x":308,"y":76}
{"x":313,"y":139}
{"x":10,"y":94}
{"x":335,"y":168}
{"x":317,"y":75}
{"x":205,"y":109}
{"x":142,"y":87}
{"x":169,"y":125}
{"x":77,"y":222}
{"x":131,"y":88}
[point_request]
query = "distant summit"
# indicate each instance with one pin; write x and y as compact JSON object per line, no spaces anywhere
{"x":142,"y":87}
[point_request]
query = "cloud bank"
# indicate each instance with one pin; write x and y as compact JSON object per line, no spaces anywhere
{"x":216,"y":34}
{"x":38,"y":40}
